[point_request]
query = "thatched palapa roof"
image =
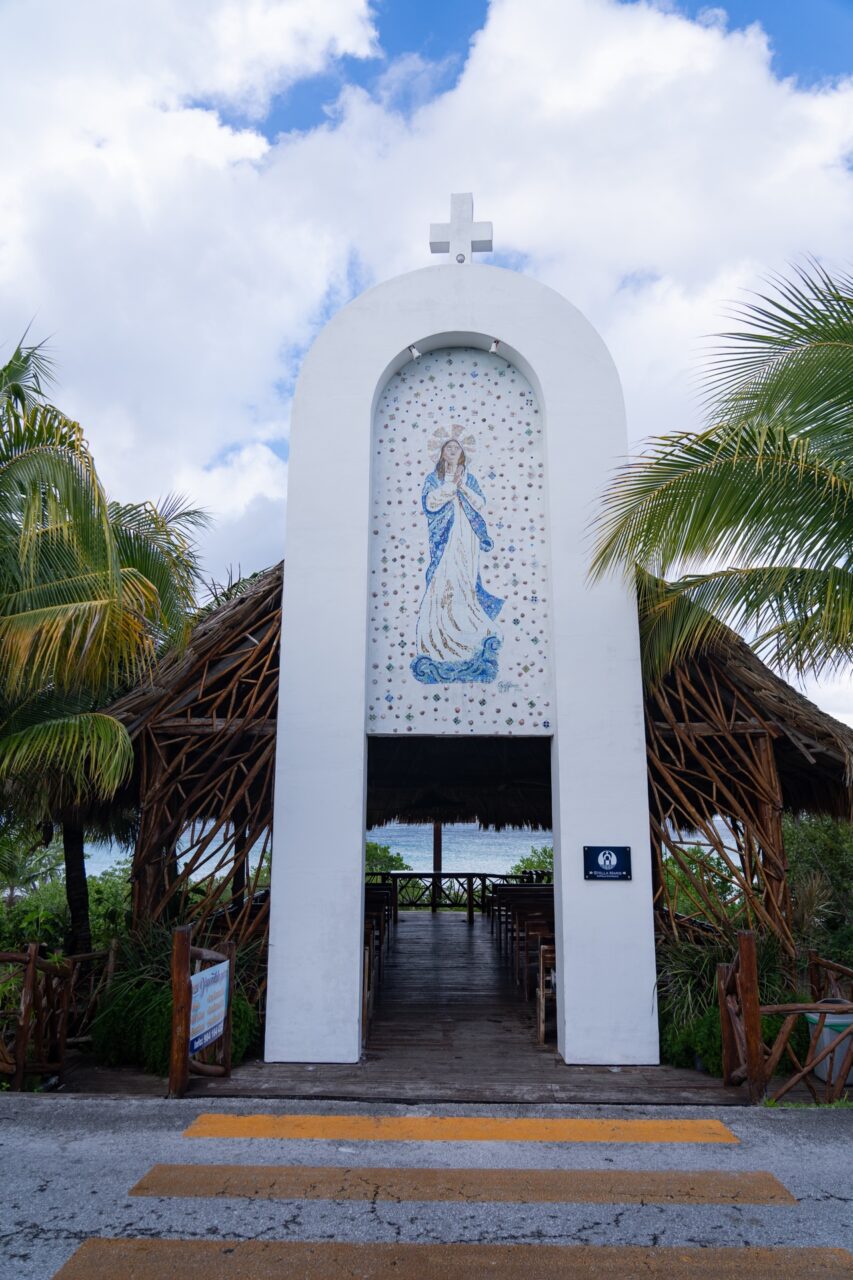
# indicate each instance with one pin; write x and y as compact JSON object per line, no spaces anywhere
{"x":224,"y":686}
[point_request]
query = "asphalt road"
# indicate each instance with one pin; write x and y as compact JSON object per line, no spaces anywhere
{"x":70,"y":1163}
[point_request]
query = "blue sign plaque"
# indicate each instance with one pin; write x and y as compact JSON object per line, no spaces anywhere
{"x":607,"y":862}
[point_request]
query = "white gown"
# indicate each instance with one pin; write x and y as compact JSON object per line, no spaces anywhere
{"x":452,"y":624}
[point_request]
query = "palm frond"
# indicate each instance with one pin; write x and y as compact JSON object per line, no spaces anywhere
{"x":49,"y":490}
{"x":793,"y":356}
{"x":77,"y":633}
{"x":26,"y":375}
{"x":746,"y":494}
{"x":797,"y":618}
{"x":158,"y":541}
{"x":91,"y":752}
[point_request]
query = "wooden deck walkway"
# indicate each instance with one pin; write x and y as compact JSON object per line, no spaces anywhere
{"x":449,"y":1026}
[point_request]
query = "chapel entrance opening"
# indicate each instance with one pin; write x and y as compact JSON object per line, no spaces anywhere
{"x":458,"y":975}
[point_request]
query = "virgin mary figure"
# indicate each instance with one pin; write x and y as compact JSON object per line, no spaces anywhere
{"x":457,"y":640}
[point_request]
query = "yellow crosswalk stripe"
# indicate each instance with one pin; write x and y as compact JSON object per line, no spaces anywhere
{"x":519,"y":1186}
{"x":272,"y":1260}
{"x":355,"y":1128}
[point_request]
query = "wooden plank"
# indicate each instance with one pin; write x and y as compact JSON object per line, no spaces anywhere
{"x":181,"y":1002}
{"x":449,"y":1025}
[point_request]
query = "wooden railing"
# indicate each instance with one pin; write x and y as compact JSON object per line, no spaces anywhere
{"x":37,"y":1045}
{"x":748,"y":1058}
{"x":454,"y":890}
{"x":55,"y":1006}
{"x":90,"y":980}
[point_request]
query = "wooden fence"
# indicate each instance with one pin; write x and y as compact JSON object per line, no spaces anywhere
{"x":187,"y":960}
{"x":49,"y":1005}
{"x":450,"y":890}
{"x":750,"y":1057}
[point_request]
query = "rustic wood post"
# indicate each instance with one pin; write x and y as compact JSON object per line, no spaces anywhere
{"x":777,"y":893}
{"x":62,"y":1028}
{"x":436,"y":866}
{"x":749,"y":1003}
{"x":840,"y":1070}
{"x":179,"y":1060}
{"x":469,"y":891}
{"x":240,"y":825}
{"x":395,"y":898}
{"x":22,"y":1034}
{"x":815,"y":977}
{"x":228,"y":949}
{"x":730,"y":1055}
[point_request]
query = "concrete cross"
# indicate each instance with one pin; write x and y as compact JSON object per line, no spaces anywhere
{"x":461,"y":236}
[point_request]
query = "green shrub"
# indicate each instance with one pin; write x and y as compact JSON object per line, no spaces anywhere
{"x":379,"y":858}
{"x":701,"y":1038}
{"x":109,"y":904}
{"x":687,"y":996}
{"x":40,"y":915}
{"x":820,"y":862}
{"x":541,"y":859}
{"x":133,"y":1026}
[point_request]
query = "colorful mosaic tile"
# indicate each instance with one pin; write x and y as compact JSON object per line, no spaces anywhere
{"x":459,"y":589}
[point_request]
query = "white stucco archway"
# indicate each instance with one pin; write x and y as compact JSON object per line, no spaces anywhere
{"x":606,"y":970}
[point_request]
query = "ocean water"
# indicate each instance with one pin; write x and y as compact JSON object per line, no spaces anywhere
{"x":464,"y":847}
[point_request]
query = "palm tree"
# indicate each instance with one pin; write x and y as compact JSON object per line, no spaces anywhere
{"x":750,"y":522}
{"x":90,"y":593}
{"x":27,"y":858}
{"x":26,"y":375}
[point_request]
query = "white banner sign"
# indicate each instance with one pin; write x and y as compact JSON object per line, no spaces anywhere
{"x":209,"y":1005}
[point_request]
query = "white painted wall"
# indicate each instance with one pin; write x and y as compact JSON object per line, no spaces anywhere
{"x":606,"y":1000}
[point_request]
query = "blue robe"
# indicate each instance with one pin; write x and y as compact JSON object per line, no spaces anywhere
{"x":483,"y":666}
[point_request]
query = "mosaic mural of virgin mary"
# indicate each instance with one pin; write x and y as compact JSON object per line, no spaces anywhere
{"x":457,"y":641}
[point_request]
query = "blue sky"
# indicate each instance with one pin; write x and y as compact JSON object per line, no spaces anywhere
{"x":181,"y":267}
{"x":439,"y":32}
{"x":811,"y":39}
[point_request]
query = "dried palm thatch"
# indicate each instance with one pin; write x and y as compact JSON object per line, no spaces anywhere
{"x":730,"y":745}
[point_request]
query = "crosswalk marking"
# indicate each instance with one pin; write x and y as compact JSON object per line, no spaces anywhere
{"x":358,"y":1128}
{"x":272,"y":1260}
{"x":518,"y":1186}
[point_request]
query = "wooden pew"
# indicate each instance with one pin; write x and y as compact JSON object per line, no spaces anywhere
{"x":546,"y":993}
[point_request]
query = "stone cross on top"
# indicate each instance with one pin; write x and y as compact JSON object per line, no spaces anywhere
{"x":461,"y":236}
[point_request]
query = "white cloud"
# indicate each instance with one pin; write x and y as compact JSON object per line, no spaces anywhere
{"x":834,"y":694}
{"x":245,"y":493}
{"x":647,"y":166}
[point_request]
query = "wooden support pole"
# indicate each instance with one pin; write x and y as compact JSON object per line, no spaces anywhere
{"x":730,"y":1054}
{"x":750,"y":1005}
{"x":179,"y":1059}
{"x":25,"y":1016}
{"x":469,"y":897}
{"x":777,"y":893}
{"x":240,"y":822}
{"x":436,"y":866}
{"x":228,"y":949}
